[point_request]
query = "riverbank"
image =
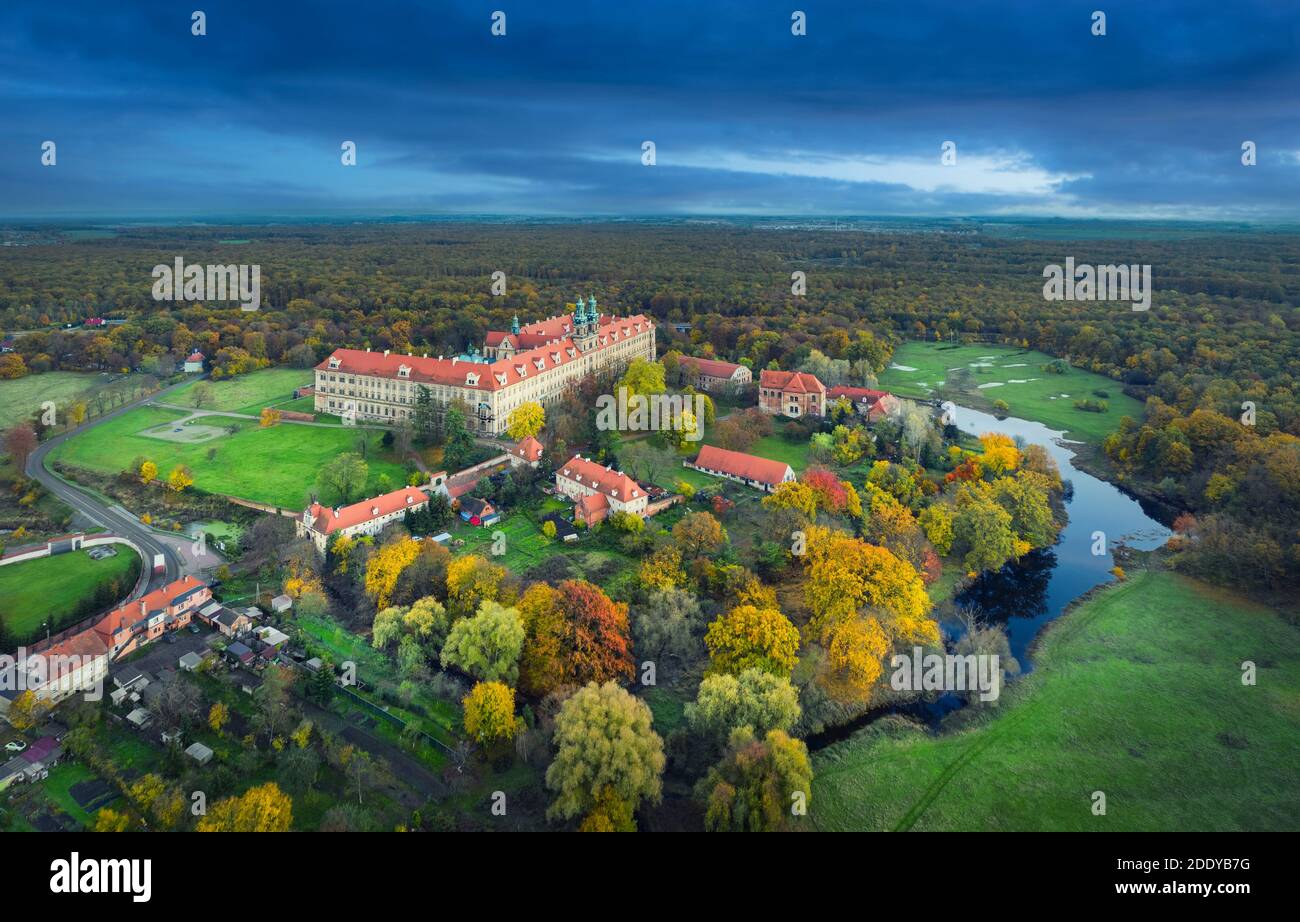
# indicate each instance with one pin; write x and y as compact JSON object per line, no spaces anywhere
{"x":1137,"y":694}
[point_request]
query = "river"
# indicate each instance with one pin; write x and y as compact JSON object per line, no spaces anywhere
{"x":1024,"y":596}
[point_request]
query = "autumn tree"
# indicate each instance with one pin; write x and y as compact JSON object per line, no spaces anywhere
{"x":759,"y":786}
{"x":270,"y":417}
{"x":471,"y":580}
{"x":525,"y":420}
{"x":386,"y":565}
{"x":20,"y":442}
{"x":148,"y":472}
{"x":218,"y":717}
{"x":27,"y":710}
{"x":755,"y":699}
{"x":490,"y":713}
{"x":180,"y":479}
{"x":264,"y":808}
{"x":542,"y":665}
{"x":486,"y":646}
{"x":748,"y":637}
{"x":599,"y":648}
{"x":699,"y":534}
{"x":604,"y":743}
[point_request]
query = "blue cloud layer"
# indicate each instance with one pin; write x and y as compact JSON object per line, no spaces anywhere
{"x":1047,"y":118}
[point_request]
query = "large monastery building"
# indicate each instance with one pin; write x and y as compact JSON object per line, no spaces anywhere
{"x":535,"y":362}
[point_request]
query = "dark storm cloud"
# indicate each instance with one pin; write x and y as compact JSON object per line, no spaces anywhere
{"x":746,"y":117}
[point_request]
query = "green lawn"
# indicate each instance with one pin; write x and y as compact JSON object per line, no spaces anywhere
{"x":1137,"y":693}
{"x":276,"y":465}
{"x":246,"y":393}
{"x":22,"y":397}
{"x":50,"y":588}
{"x":1017,"y":377}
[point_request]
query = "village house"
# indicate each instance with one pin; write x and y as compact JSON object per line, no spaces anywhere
{"x":368,"y":517}
{"x":751,"y":470}
{"x":194,"y":363}
{"x":228,"y":621}
{"x":715,"y":374}
{"x":478,"y":511}
{"x":131,"y":626}
{"x":871,"y":405}
{"x":537,"y":362}
{"x":598,"y":491}
{"x":527,"y":451}
{"x":791,"y":393}
{"x":75,"y":664}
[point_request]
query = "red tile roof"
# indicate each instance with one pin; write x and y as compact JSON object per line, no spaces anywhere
{"x":195,"y":356}
{"x":326,"y":521}
{"x":589,"y":506}
{"x":855,"y":393}
{"x":124,"y":616}
{"x":739,"y":464}
{"x":791,"y":382}
{"x":528,"y":448}
{"x":546,"y":346}
{"x":713,"y":368}
{"x":612,"y":483}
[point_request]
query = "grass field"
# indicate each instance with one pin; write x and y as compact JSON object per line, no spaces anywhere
{"x":50,"y":588}
{"x":1137,"y":693}
{"x":20,"y":398}
{"x":246,"y":393}
{"x":276,"y":465}
{"x":1016,"y":376}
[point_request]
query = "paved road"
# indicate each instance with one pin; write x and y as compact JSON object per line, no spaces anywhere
{"x":115,"y":519}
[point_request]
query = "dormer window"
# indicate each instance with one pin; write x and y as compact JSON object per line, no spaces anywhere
{"x":540,"y":364}
{"x":471,"y":379}
{"x":572,"y":352}
{"x":555,"y":357}
{"x":403,"y":371}
{"x":335,"y":363}
{"x":501,"y":378}
{"x":521,"y":370}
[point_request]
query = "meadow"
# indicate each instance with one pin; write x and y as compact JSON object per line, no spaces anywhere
{"x":1015,"y":376}
{"x":1136,"y":693}
{"x":53,"y":588}
{"x":22,"y":397}
{"x":277,"y":465}
{"x":247,"y":393}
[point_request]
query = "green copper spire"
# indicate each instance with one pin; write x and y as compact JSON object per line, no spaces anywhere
{"x":514,"y":325}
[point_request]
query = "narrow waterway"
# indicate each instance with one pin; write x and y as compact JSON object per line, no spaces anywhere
{"x":1024,"y":596}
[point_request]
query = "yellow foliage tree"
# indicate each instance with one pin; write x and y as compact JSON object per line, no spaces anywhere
{"x":526,"y":419}
{"x":662,"y":570}
{"x":1000,"y":454}
{"x":472,"y":579}
{"x":180,"y":478}
{"x":270,"y":417}
{"x":261,"y":809}
{"x":490,"y":712}
{"x":148,"y":472}
{"x":218,"y":716}
{"x":752,"y":638}
{"x":27,"y":710}
{"x":386,"y":565}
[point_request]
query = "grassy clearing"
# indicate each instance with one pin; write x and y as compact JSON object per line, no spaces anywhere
{"x":52,"y":588}
{"x":21,"y":398}
{"x":1137,"y":693}
{"x":276,"y":465}
{"x":1017,"y":377}
{"x":246,"y":393}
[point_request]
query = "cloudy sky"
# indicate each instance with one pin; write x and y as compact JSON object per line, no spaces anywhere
{"x":1047,"y":119}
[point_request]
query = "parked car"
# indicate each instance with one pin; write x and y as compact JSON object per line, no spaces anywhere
{"x":15,"y":746}
{"x":194,"y":628}
{"x":170,"y":638}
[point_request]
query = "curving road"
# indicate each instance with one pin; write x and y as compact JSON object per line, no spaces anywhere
{"x":115,"y":520}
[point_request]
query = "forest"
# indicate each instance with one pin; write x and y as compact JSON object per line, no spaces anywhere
{"x":1216,"y":358}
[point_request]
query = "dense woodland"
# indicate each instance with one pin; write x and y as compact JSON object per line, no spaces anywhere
{"x":1223,"y":328}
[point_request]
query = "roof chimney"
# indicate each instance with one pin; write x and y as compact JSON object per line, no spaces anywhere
{"x":143,"y":610}
{"x":385,"y":353}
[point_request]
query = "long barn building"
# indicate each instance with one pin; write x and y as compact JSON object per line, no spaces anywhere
{"x":538,"y":362}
